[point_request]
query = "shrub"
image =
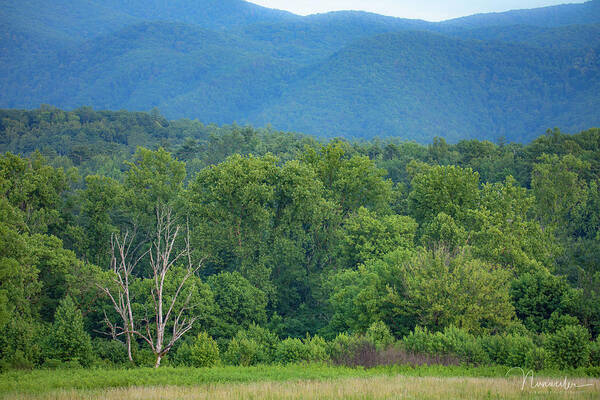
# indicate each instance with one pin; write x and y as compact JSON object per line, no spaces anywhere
{"x":317,"y":348}
{"x":250,"y":347}
{"x":459,"y":342}
{"x":291,"y":350}
{"x":569,"y":347}
{"x":452,"y":341}
{"x":342,"y":348}
{"x":110,"y":350}
{"x":379,"y":334}
{"x":266,"y":340}
{"x":243,"y":351}
{"x":143,"y":357}
{"x":509,"y":350}
{"x":595,"y":353}
{"x":420,"y":340}
{"x":536,"y":359}
{"x":203,"y":351}
{"x":68,"y":339}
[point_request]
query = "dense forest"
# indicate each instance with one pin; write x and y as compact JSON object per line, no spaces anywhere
{"x":242,"y":246}
{"x":486,"y":76}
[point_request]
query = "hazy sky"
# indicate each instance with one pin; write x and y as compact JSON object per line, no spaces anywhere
{"x":431,"y":10}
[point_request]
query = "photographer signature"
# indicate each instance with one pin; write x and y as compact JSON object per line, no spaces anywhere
{"x":564,"y":384}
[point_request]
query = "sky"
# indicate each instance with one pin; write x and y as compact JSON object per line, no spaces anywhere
{"x":430,"y":10}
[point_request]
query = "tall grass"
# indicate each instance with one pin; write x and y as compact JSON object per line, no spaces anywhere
{"x":44,"y":381}
{"x":379,"y":387}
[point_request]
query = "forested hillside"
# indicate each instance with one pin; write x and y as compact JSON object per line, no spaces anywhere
{"x":351,"y":74}
{"x":273,"y":247}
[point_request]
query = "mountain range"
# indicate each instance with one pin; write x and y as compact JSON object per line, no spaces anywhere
{"x":351,"y":74}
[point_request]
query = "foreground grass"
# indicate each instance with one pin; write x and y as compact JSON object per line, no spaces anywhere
{"x":378,"y":387}
{"x":286,"y":382}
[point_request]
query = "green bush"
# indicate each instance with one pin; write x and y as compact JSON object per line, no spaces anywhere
{"x":595,"y":353}
{"x":317,"y":348}
{"x":569,"y":347}
{"x":536,"y":359}
{"x":256,"y":345}
{"x":453,"y":340}
{"x":342,"y":347}
{"x":291,"y":351}
{"x":464,"y":345}
{"x":266,"y":340}
{"x":110,"y":350}
{"x":144,"y":357}
{"x":379,"y":334}
{"x":557,"y":321}
{"x":202,"y":351}
{"x":243,"y":351}
{"x":68,"y":339}
{"x":509,"y":350}
{"x":420,"y":340}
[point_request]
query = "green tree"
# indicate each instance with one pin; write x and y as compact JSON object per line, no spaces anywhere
{"x":68,"y":340}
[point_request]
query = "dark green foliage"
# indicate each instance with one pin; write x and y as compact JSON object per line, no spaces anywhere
{"x":68,"y":340}
{"x":541,"y":301}
{"x":239,"y":304}
{"x":110,"y":350}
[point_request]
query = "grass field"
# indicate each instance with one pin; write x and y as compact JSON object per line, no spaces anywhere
{"x":293,"y":382}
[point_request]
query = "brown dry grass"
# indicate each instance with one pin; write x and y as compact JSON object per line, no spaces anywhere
{"x":398,"y":387}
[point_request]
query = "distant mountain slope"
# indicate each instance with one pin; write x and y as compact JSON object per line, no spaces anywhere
{"x":418,"y":85}
{"x":561,"y":15}
{"x":153,"y":64}
{"x":565,"y":37}
{"x":83,"y":19}
{"x":341,"y":73}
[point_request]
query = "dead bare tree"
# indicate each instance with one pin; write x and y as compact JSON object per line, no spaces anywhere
{"x":168,"y":309}
{"x":122,"y":264}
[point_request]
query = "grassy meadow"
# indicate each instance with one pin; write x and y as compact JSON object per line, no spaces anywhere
{"x":307,"y":381}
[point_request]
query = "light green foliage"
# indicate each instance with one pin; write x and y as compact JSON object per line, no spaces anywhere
{"x":431,"y":289}
{"x":557,"y":186}
{"x":256,"y":345}
{"x":505,"y":232}
{"x":244,"y":351}
{"x":569,"y":347}
{"x":537,"y":359}
{"x":368,"y":236}
{"x":154,"y":177}
{"x":443,"y":290}
{"x":379,"y":334}
{"x":351,"y":181}
{"x":448,"y":189}
{"x":342,"y":347}
{"x":68,"y":339}
{"x":34,"y":188}
{"x":372,"y":292}
{"x":292,"y":350}
{"x":202,"y":351}
{"x":452,"y":340}
{"x":443,"y":231}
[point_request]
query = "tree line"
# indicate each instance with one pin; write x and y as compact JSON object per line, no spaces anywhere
{"x":183,"y":252}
